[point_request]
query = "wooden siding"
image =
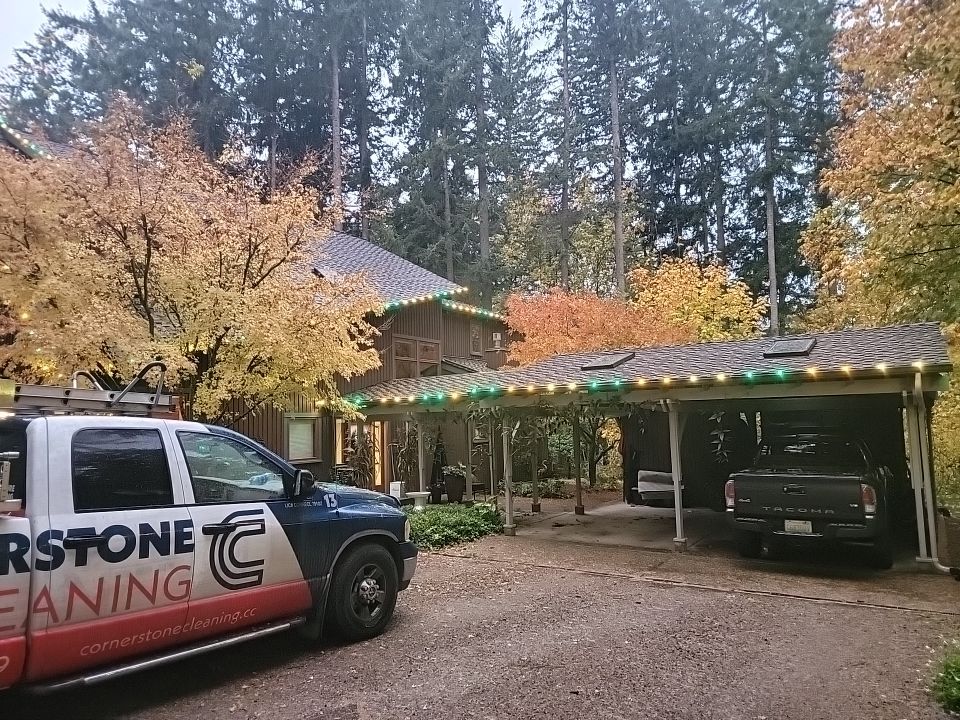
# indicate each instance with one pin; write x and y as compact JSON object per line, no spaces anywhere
{"x":384,"y":347}
{"x":268,"y":426}
{"x":456,"y":336}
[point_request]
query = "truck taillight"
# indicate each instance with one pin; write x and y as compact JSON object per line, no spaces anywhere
{"x":868,"y":496}
{"x":729,"y":495}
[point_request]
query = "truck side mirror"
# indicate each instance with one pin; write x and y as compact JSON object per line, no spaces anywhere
{"x":302,"y":483}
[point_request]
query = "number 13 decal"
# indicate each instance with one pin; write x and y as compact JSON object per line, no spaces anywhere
{"x":330,"y":501}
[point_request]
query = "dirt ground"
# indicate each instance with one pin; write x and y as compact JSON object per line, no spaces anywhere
{"x":517,"y":628}
{"x":548,"y":506}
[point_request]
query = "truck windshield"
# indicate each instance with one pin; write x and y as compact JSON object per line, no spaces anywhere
{"x":807,"y":452}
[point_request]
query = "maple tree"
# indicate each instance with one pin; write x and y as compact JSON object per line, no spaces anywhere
{"x":888,"y":244}
{"x":559,"y":322}
{"x":135,"y":246}
{"x":704,"y":299}
{"x":678,"y":301}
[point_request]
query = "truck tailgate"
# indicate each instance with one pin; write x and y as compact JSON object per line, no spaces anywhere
{"x":806,"y":496}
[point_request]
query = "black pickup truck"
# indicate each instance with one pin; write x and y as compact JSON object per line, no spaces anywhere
{"x":810,"y":487}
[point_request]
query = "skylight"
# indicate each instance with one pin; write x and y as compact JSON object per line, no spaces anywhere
{"x":608,"y":362}
{"x":790,"y":347}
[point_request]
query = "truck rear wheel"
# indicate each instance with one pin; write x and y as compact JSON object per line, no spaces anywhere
{"x":363,"y":593}
{"x":881,"y":553}
{"x":749,"y":544}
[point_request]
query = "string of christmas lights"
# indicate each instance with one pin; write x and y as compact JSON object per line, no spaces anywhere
{"x":621,"y":385}
{"x":471,"y":309}
{"x":22,"y":142}
{"x":440,"y":295}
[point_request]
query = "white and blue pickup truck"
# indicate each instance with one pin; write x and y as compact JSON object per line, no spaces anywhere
{"x":130,"y":541}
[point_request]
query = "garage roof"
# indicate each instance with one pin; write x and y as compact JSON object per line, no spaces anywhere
{"x":851,"y":354}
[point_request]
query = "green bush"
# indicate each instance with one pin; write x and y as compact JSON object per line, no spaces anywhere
{"x":439,"y":526}
{"x":946,"y":684}
{"x":548,"y":489}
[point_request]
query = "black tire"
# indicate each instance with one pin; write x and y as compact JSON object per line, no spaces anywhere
{"x":363,"y":593}
{"x":881,"y":554}
{"x":749,"y":544}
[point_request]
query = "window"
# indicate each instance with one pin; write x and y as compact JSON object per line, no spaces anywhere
{"x":225,"y":470}
{"x":302,"y":439}
{"x":416,"y":358}
{"x":476,"y":339}
{"x":813,"y":451}
{"x":119,"y":469}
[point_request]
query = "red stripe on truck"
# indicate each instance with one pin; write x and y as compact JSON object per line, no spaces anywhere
{"x":13,"y":651}
{"x":68,"y":649}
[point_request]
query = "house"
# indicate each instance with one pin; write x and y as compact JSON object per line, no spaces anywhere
{"x":425,"y":329}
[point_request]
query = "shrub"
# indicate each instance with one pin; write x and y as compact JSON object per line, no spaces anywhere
{"x":946,"y":683}
{"x":439,"y":526}
{"x":548,"y":489}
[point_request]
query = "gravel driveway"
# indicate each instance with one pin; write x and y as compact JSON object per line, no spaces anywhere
{"x":507,"y":630}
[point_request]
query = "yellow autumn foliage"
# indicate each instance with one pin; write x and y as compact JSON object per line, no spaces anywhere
{"x":704,"y":299}
{"x":136,"y":246}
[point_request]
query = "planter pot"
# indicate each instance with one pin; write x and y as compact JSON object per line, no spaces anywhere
{"x":436,"y":496}
{"x":455,"y":488}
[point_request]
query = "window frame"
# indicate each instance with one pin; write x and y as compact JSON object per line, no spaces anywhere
{"x":419,"y":363}
{"x":163,"y":452}
{"x":285,"y":477}
{"x":317,"y":421}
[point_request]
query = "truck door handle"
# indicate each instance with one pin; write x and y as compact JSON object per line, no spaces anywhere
{"x":72,"y":542}
{"x":226,"y":527}
{"x":794,"y":489}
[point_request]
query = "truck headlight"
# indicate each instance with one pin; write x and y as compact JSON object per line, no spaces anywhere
{"x":406,"y":531}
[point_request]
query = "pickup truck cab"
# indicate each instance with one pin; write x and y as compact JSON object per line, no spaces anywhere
{"x":811,"y":487}
{"x":126,"y":542}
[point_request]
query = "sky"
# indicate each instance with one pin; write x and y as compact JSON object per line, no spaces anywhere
{"x":22,"y":19}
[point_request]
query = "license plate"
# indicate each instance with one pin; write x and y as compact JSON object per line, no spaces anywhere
{"x":802,"y":527}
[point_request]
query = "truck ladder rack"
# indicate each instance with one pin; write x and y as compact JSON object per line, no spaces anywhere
{"x":23,"y":399}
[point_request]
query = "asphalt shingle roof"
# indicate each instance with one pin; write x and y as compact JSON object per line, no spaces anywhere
{"x":857,"y":353}
{"x":394,"y":279}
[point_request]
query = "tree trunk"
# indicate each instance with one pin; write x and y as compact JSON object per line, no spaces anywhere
{"x":565,"y":154}
{"x":363,"y":133}
{"x":336,"y":179}
{"x":771,"y":207}
{"x":483,"y":190}
{"x":272,"y":160}
{"x":447,"y":219}
{"x":720,"y":206}
{"x":619,"y":262}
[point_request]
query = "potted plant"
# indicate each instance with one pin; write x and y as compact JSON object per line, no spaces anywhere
{"x":455,"y":481}
{"x":437,"y":488}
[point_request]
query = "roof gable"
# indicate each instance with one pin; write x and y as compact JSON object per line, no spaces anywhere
{"x":394,"y":278}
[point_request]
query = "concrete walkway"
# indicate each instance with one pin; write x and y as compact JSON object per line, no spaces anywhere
{"x":617,"y":523}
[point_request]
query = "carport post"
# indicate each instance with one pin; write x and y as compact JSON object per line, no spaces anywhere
{"x":422,"y":452}
{"x":575,"y":424}
{"x":534,"y":467}
{"x":469,"y":483}
{"x":680,"y":540}
{"x":916,"y":474}
{"x":508,"y":527}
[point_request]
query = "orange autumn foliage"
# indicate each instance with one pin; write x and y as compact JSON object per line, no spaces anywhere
{"x":561,"y":322}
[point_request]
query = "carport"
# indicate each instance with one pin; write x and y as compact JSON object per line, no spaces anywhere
{"x":885,"y":379}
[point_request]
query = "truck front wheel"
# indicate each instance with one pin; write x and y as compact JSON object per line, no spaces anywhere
{"x":363,"y":594}
{"x":749,"y":544}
